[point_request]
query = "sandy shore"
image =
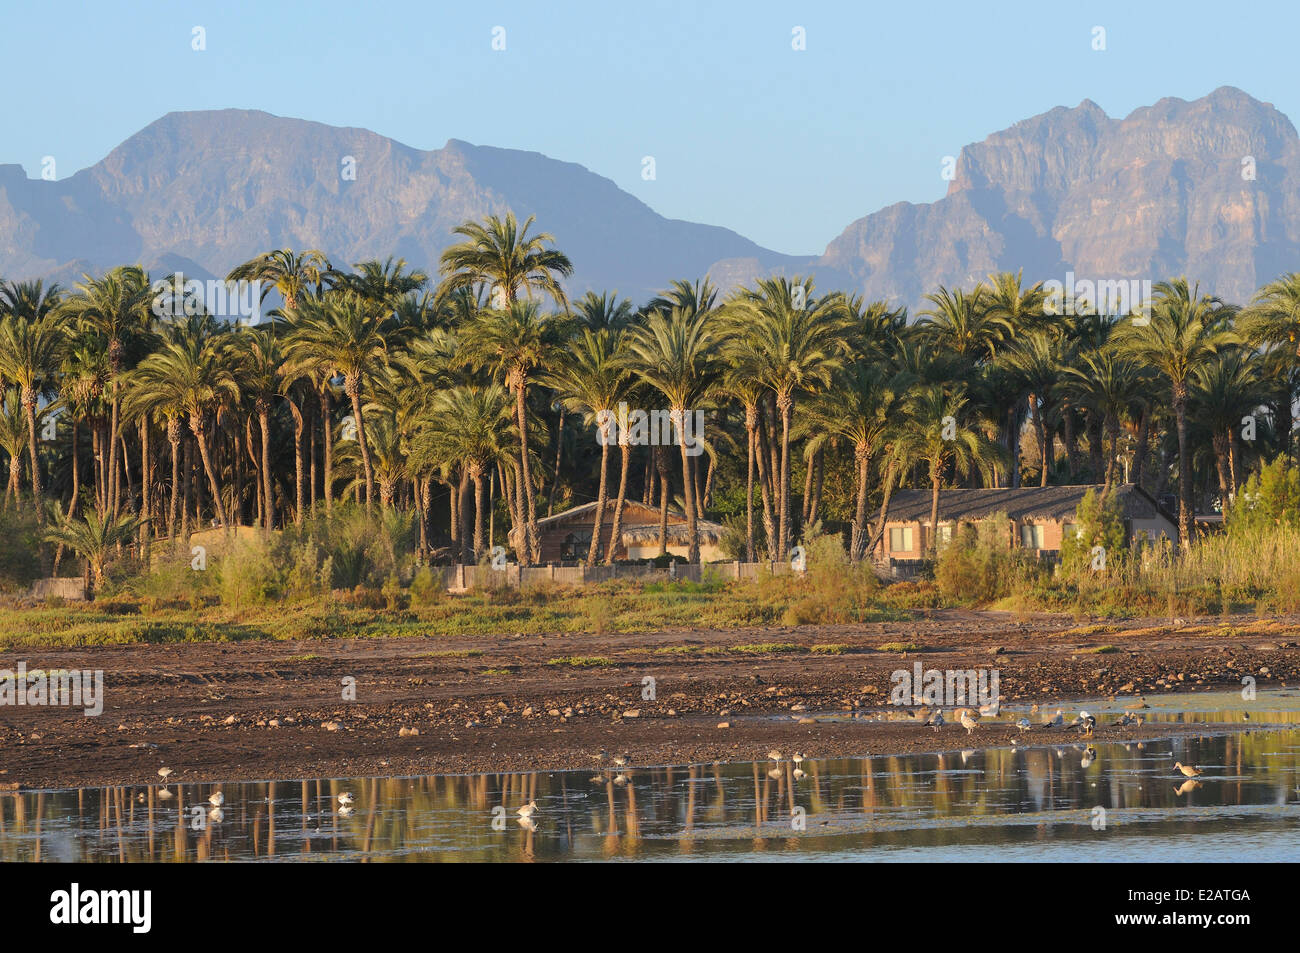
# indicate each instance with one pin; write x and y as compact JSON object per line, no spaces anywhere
{"x":262,"y":710}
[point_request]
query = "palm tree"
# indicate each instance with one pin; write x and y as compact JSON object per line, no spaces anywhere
{"x":1033,"y":364}
{"x":192,"y":373}
{"x":674,"y":352}
{"x":473,"y":426}
{"x":29,"y":359}
{"x":13,"y":438}
{"x":385,"y":283}
{"x":94,"y":538}
{"x":289,"y":273}
{"x":965,"y":324}
{"x":861,"y":408}
{"x":258,"y":358}
{"x":1106,"y":384}
{"x":590,"y":380}
{"x":500,"y":254}
{"x":792,"y":343}
{"x":1224,"y":391}
{"x":1273,"y":321}
{"x":1184,"y":330}
{"x":340,"y":335}
{"x":941,"y":435}
{"x":513,"y":342}
{"x":604,"y":311}
{"x":117,"y":306}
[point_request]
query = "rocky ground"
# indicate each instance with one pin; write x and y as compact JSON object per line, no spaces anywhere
{"x":261,"y":710}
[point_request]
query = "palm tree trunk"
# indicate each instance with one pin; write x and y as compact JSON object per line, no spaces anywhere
{"x":1112,"y":427}
{"x":765,"y":482}
{"x":327,"y":430}
{"x":199,"y":430}
{"x":1044,"y":447}
{"x":1184,"y":467}
{"x":462,"y":491}
{"x":76,"y":472}
{"x":616,"y":529}
{"x":1141,"y":450}
{"x":29,"y":405}
{"x":555,"y":479}
{"x":111,"y":470}
{"x":891,"y":474}
{"x":528,"y":505}
{"x":299,"y":485}
{"x":786,"y":407}
{"x":602,"y":494}
{"x":661,"y":465}
{"x":174,"y":438}
{"x":146,"y":524}
{"x":688,"y":491}
{"x":188,"y":480}
{"x":859,"y":535}
{"x":353,"y":387}
{"x":264,"y":421}
{"x":935,"y":481}
{"x":751,"y":426}
{"x":480,"y":514}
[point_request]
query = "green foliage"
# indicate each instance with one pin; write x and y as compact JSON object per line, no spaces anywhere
{"x":978,"y":566}
{"x":1101,"y":523}
{"x":1269,"y":498}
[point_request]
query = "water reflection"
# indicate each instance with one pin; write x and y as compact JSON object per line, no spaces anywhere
{"x":1039,"y":802}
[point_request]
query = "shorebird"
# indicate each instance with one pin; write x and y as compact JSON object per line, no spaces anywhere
{"x":992,"y":708}
{"x":1023,"y":724}
{"x":797,"y":757}
{"x":623,"y":760}
{"x":217,"y":799}
{"x":1189,"y":770}
{"x":1079,"y":720}
{"x":937,"y":721}
{"x":345,"y":798}
{"x":774,"y":755}
{"x":967,"y":721}
{"x":165,"y":773}
{"x":1086,"y":724}
{"x":1056,"y":721}
{"x":602,"y":757}
{"x":528,"y":810}
{"x":1125,"y":720}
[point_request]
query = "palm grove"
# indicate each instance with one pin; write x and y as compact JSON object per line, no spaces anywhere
{"x":473,"y":403}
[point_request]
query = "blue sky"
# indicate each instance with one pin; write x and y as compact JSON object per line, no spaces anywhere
{"x":784,"y":146}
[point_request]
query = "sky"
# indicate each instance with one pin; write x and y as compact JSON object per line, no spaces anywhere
{"x":785,"y":146}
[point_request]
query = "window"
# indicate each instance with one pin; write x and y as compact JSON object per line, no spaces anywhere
{"x":945,"y":534}
{"x":1031,"y":536}
{"x":900,"y":539}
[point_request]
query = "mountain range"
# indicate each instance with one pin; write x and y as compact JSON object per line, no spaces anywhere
{"x":1209,"y":188}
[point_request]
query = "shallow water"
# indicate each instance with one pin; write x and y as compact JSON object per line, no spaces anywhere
{"x":1057,"y":801}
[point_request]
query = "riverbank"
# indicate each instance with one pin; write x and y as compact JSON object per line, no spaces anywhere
{"x":258,"y":709}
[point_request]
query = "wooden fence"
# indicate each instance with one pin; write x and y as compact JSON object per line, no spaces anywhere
{"x":463,"y":578}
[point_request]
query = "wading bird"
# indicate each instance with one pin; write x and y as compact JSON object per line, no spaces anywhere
{"x":967,"y":721}
{"x":1056,"y":721}
{"x":217,"y":799}
{"x":1188,"y":770}
{"x":528,"y":810}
